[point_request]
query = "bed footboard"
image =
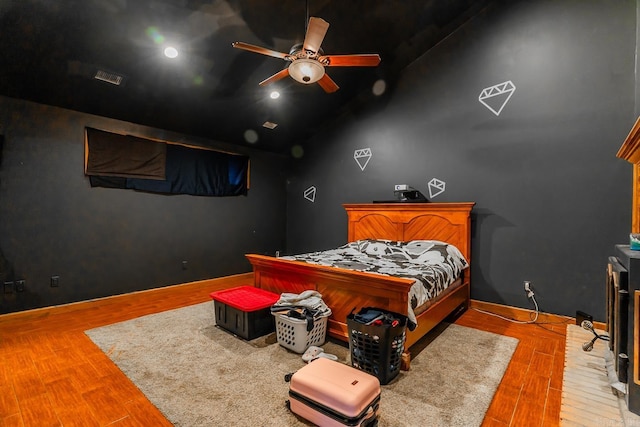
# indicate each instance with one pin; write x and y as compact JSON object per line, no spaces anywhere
{"x":342,"y":290}
{"x":345,"y":291}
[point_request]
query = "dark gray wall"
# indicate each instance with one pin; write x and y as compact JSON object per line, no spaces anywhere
{"x":551,"y":197}
{"x":104,"y":242}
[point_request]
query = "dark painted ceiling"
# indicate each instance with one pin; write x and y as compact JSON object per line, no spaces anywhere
{"x":51,"y":51}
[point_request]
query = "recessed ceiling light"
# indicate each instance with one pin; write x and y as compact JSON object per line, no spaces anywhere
{"x":275,"y":94}
{"x":170,"y":52}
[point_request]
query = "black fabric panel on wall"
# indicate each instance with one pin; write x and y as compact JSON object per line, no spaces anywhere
{"x":111,"y":154}
{"x":108,"y":181}
{"x":199,"y":173}
{"x":196,"y":172}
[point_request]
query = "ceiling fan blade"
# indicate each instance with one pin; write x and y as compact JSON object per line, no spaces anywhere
{"x":328,"y":84}
{"x":357,"y":60}
{"x":277,"y":76}
{"x":260,"y":50}
{"x":316,"y":31}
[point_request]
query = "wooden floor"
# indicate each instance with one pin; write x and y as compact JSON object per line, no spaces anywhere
{"x":51,"y":374}
{"x":530,"y":393}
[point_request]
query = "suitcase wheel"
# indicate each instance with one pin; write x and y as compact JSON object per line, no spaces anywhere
{"x":288,"y":404}
{"x":372,"y":423}
{"x":287,"y":377}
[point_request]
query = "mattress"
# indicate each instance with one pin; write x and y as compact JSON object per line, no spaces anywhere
{"x":432,"y":264}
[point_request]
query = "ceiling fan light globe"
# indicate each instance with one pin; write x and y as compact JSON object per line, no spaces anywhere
{"x":306,"y":70}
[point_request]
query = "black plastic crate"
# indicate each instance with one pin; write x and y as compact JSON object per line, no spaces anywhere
{"x":377,"y":348}
{"x":245,"y":311}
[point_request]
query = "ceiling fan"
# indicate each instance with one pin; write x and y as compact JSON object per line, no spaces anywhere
{"x":307,"y":61}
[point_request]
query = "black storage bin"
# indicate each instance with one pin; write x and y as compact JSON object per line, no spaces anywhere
{"x":377,"y":348}
{"x":245,"y":311}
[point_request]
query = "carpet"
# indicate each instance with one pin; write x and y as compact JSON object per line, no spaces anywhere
{"x":197,"y":374}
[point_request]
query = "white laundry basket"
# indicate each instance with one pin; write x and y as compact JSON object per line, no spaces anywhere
{"x":292,"y":333}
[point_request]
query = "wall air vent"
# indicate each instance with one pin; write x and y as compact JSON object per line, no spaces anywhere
{"x":269,"y":125}
{"x":112,"y":78}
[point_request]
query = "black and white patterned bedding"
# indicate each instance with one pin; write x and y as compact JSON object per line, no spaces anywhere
{"x":434,"y":265}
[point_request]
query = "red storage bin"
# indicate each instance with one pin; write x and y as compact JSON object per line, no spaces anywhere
{"x":245,"y":311}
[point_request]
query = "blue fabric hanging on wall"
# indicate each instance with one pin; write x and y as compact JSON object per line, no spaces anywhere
{"x":198,"y":172}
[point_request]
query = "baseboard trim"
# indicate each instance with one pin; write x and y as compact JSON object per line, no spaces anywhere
{"x":524,"y":315}
{"x":515,"y":313}
{"x":199,"y":284}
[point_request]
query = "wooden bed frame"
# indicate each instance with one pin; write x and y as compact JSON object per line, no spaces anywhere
{"x":345,"y":290}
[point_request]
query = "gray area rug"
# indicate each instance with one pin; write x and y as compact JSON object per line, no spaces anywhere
{"x":199,"y":375}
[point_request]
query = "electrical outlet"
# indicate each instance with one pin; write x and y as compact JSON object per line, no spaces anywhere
{"x":55,"y":281}
{"x":8,"y":287}
{"x":20,"y":285}
{"x":184,"y":265}
{"x":527,"y":289}
{"x":582,"y":316}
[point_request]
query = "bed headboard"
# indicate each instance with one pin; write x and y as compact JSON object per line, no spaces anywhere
{"x":448,"y":222}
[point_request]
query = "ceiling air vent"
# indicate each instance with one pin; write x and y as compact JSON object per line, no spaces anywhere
{"x":269,"y":125}
{"x":114,"y":79}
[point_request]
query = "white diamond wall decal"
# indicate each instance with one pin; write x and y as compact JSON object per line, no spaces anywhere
{"x":496,"y":97}
{"x":362,"y":157}
{"x":436,"y":187}
{"x":310,"y":194}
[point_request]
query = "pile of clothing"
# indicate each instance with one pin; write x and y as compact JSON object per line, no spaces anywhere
{"x":307,"y":306}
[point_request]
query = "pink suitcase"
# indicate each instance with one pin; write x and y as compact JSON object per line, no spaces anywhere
{"x":330,"y":393}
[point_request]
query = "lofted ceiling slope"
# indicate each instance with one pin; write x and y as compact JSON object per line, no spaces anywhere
{"x":52,"y":50}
